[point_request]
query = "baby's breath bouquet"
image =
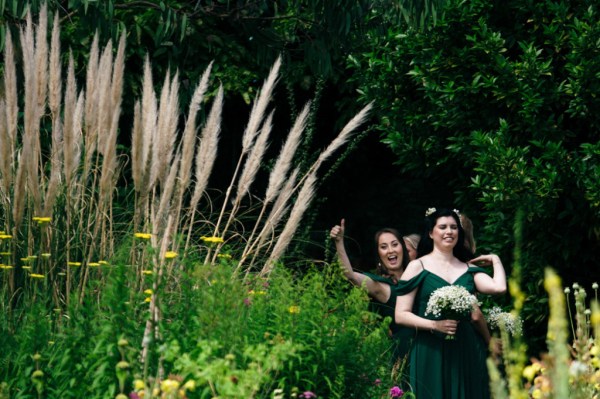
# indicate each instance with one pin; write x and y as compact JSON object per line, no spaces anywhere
{"x":497,"y":318}
{"x":452,"y":302}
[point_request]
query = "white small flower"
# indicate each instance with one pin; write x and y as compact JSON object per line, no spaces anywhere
{"x":567,"y":290}
{"x":429,"y":211}
{"x":575,"y":286}
{"x":578,"y":368}
{"x":595,"y":286}
{"x":499,"y":319}
{"x":450,"y":301}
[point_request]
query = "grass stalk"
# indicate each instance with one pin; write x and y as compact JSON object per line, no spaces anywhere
{"x":256,"y":116}
{"x":205,"y":156}
{"x":305,"y":196}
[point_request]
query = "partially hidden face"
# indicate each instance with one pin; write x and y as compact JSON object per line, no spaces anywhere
{"x":390,"y":251}
{"x":412,"y":251}
{"x":445,"y":232}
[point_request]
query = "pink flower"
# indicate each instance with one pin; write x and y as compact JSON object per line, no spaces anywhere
{"x":308,"y":395}
{"x":377,"y":382}
{"x":396,"y":392}
{"x":247,"y":301}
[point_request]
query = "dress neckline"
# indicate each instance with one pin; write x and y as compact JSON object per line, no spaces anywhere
{"x":444,"y":280}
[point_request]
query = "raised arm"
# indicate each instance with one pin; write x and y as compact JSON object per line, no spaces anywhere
{"x":379,"y":291}
{"x":486,"y":284}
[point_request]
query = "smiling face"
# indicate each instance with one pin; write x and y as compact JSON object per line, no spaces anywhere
{"x":390,"y":251}
{"x":445,"y":232}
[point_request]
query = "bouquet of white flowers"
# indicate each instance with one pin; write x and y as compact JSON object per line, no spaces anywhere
{"x":497,"y":318}
{"x":452,"y":302}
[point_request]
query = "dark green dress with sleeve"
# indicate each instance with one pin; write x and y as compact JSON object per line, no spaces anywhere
{"x":447,"y":369}
{"x":402,"y":337}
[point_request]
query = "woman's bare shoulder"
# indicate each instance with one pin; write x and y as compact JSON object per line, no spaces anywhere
{"x":412,"y":269}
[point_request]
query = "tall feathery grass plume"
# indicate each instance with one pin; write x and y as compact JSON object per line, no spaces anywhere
{"x":343,"y":136}
{"x":188,"y":142}
{"x":143,"y":134}
{"x":91,"y":104}
{"x":264,"y":240}
{"x":72,"y":129}
{"x":165,"y":132}
{"x":299,"y":209}
{"x":11,"y":110}
{"x":280,"y":170}
{"x":305,"y":196}
{"x":251,"y":167}
{"x":256,"y":117}
{"x":206,"y":154}
{"x":54,"y":101}
{"x":8,"y":128}
{"x":29,"y":162}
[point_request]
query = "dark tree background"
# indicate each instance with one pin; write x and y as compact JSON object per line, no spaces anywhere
{"x":487,"y":106}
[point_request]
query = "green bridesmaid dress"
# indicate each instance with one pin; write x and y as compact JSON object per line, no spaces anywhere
{"x":447,"y":369}
{"x":402,"y":337}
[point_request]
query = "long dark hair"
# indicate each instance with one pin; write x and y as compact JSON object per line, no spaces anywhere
{"x":381,"y":269}
{"x":460,"y":251}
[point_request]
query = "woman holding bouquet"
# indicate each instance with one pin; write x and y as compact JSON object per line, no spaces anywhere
{"x":439,"y":367}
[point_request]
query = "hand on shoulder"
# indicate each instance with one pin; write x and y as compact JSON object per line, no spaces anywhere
{"x":484,"y":260}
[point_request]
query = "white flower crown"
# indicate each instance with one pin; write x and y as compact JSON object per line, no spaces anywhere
{"x":431,"y":211}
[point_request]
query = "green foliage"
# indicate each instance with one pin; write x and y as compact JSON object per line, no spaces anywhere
{"x":497,"y":100}
{"x":234,"y":339}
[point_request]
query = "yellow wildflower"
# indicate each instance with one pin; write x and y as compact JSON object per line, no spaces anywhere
{"x":42,"y":220}
{"x":24,"y":260}
{"x":6,"y":267}
{"x":148,"y":291}
{"x":37,"y":374}
{"x":536,"y":394}
{"x":31,"y":257}
{"x":168,"y":386}
{"x":35,"y":275}
{"x":147,"y":272}
{"x":294,"y":309}
{"x":170,"y":255}
{"x":212,"y":240}
{"x":94,"y":264}
{"x":138,"y":385}
{"x":5,"y":253}
{"x":529,"y":372}
{"x":74,"y":264}
{"x":143,"y":236}
{"x":103,"y":262}
{"x":148,"y":299}
{"x":224,"y":256}
{"x":190,"y":385}
{"x":27,"y":267}
{"x":46,"y":255}
{"x":121,"y":396}
{"x":5,"y":236}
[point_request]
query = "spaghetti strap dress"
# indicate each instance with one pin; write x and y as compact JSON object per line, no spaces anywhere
{"x":447,"y":369}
